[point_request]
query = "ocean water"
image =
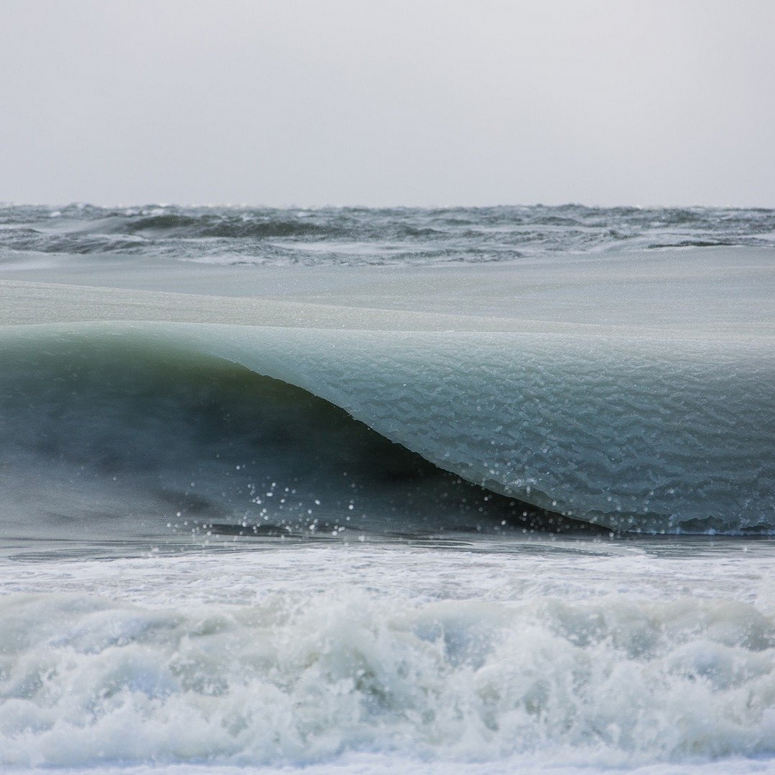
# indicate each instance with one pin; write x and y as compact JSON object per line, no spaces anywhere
{"x":347,"y":490}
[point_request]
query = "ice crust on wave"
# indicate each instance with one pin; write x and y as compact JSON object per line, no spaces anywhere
{"x":630,"y":433}
{"x":631,"y":390}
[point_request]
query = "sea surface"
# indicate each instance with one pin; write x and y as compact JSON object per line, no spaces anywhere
{"x":343,"y":490}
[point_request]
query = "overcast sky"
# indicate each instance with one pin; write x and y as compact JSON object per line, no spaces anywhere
{"x":424,"y":102}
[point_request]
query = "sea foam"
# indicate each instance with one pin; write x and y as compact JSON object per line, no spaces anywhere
{"x":299,"y":678}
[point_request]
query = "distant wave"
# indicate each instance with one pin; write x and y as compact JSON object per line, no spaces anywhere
{"x":354,"y":236}
{"x":230,"y":227}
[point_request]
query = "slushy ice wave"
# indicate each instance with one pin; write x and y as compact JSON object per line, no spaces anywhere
{"x":301,"y":678}
{"x":617,"y":372}
{"x":245,"y":425}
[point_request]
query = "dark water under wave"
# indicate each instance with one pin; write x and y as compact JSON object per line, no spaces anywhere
{"x":354,"y":236}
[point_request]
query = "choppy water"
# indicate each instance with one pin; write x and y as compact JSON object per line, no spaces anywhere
{"x":355,"y":236}
{"x":365,"y":490}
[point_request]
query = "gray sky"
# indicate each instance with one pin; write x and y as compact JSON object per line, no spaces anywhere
{"x":420,"y":102}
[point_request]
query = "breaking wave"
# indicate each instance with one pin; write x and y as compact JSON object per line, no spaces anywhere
{"x":253,"y":429}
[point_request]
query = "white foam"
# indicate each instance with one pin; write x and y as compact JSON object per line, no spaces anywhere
{"x":301,"y":657}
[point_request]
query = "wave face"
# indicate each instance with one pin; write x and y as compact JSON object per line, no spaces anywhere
{"x":353,"y":236}
{"x":629,"y":438}
{"x":158,"y":438}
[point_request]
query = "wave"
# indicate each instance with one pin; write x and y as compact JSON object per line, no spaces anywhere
{"x":156,"y":436}
{"x":353,"y":236}
{"x":630,"y":435}
{"x":234,"y":227}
